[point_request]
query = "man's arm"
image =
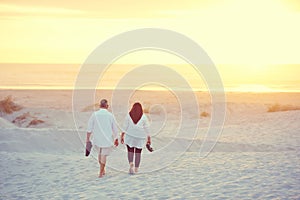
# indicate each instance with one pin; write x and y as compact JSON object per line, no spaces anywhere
{"x":116,"y":142}
{"x":115,"y":131}
{"x":122,"y":137}
{"x":90,"y":128}
{"x":88,"y":136}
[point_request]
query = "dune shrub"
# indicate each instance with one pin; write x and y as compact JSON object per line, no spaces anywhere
{"x":146,"y":107}
{"x":35,"y":122}
{"x":152,"y":108}
{"x":204,"y":114}
{"x":279,"y":108}
{"x":27,"y":120}
{"x":7,"y":105}
{"x":22,"y":118}
{"x":89,"y":108}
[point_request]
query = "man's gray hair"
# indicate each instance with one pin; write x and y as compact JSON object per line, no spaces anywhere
{"x":103,"y":103}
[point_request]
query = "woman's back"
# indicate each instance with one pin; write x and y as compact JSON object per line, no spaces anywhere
{"x":138,"y":130}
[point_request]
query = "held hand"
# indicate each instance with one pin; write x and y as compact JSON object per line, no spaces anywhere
{"x":88,"y":136}
{"x":122,"y":137}
{"x":148,"y":145}
{"x":116,"y":142}
{"x":149,"y":140}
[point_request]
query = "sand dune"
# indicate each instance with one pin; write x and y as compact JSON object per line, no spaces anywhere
{"x":255,"y":157}
{"x":6,"y":124}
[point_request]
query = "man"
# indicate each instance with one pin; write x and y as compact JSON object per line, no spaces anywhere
{"x":105,"y":133}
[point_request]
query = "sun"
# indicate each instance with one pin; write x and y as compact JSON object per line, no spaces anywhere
{"x":253,"y":88}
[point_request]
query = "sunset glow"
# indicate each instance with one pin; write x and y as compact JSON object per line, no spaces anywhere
{"x":251,"y":42}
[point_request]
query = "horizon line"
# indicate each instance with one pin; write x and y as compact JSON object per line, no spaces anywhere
{"x":226,"y":90}
{"x":73,"y":63}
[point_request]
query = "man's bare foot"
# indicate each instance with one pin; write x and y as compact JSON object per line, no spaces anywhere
{"x":102,"y":170}
{"x":101,"y":175}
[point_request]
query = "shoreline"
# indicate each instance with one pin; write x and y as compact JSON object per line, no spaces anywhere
{"x":150,"y":90}
{"x":36,"y":97}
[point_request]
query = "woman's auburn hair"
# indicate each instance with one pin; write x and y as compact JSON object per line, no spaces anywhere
{"x":136,"y":112}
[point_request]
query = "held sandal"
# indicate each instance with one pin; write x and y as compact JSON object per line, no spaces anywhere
{"x":88,"y":148}
{"x":149,"y":147}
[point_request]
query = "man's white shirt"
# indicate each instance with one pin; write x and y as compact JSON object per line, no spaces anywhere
{"x":103,"y":127}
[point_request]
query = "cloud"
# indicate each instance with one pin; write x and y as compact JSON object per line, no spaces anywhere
{"x":118,"y":9}
{"x":12,"y":10}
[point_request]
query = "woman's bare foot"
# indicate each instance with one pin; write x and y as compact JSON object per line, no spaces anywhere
{"x":136,"y":169}
{"x":131,"y":168}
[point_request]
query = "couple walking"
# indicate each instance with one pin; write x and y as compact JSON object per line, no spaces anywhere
{"x":105,"y":134}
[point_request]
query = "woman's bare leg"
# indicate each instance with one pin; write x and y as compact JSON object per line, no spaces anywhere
{"x":130,"y":158}
{"x":137,"y":160}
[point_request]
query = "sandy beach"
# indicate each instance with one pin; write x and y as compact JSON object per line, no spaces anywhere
{"x":218,"y":81}
{"x":256,"y":156}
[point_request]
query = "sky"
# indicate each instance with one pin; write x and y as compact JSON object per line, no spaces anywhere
{"x":238,"y":35}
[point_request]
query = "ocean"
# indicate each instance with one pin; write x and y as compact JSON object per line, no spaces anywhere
{"x":64,"y":76}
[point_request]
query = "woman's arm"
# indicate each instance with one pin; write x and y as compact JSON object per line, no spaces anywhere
{"x":148,"y":140}
{"x":147,"y":129}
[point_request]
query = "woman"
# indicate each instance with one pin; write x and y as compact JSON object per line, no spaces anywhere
{"x":136,"y":130}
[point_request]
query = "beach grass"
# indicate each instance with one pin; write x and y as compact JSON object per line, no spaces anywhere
{"x":7,"y":105}
{"x":280,"y":108}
